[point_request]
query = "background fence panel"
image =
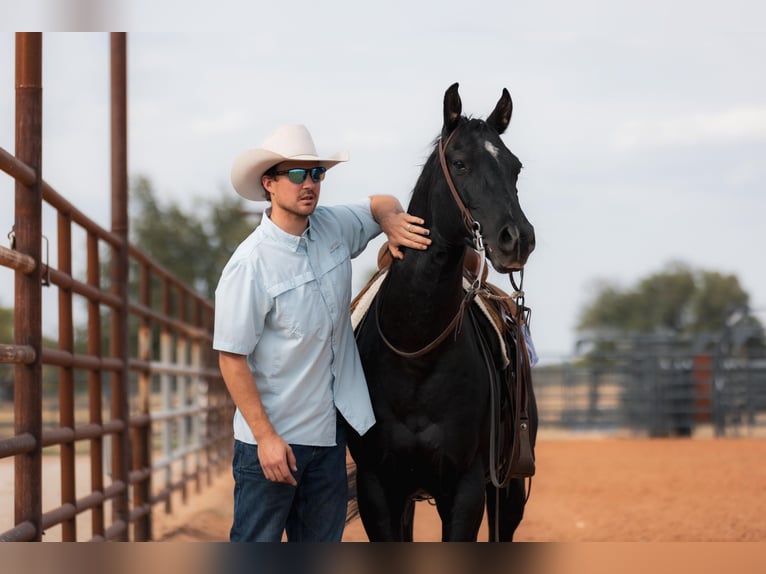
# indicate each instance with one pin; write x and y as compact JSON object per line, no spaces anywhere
{"x":655,"y":393}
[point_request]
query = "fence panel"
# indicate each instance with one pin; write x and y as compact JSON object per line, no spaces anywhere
{"x":92,"y":398}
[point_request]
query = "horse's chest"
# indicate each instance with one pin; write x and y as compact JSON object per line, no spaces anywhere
{"x":433,"y":408}
{"x":449,"y":382}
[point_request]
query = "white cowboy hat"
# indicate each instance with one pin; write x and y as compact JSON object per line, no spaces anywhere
{"x":291,"y":142}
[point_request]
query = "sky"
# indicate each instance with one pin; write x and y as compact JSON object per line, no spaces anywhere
{"x":641,"y":125}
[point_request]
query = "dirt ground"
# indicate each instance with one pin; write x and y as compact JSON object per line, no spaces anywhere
{"x":585,"y":490}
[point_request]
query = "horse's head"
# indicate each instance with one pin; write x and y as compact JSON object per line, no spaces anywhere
{"x":485,"y":172}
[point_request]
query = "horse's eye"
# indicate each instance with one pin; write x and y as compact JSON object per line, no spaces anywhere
{"x":459,"y":166}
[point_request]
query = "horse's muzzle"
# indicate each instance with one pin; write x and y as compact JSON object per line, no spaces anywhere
{"x":514,"y":246}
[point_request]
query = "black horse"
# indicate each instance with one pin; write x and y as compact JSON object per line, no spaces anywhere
{"x":428,"y":379}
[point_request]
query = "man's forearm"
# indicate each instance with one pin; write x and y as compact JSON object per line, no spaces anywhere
{"x":383,"y":207}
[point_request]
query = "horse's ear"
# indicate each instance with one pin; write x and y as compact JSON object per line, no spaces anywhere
{"x":501,"y":115}
{"x":453,"y":107}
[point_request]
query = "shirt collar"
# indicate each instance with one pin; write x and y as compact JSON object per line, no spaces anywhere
{"x":287,"y":239}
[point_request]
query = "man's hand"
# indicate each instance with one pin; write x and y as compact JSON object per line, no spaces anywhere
{"x":405,"y":230}
{"x":275,"y":455}
{"x":401,"y":228}
{"x":277,"y":459}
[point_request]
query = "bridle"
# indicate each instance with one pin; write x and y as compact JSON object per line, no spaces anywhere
{"x":471,"y":224}
{"x":474,"y":229}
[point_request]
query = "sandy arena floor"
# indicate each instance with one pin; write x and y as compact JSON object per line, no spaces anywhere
{"x":585,"y":490}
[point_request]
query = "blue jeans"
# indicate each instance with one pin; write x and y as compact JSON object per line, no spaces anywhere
{"x":314,"y":511}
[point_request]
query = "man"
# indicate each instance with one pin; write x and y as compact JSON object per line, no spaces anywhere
{"x":286,"y":347}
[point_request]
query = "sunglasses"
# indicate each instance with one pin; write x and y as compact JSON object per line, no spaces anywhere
{"x":298,"y":174}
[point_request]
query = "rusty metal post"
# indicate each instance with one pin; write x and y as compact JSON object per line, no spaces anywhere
{"x":182,"y":359}
{"x":28,"y":290}
{"x":120,"y":408}
{"x":203,"y":421}
{"x":200,"y":398}
{"x":166,"y":357}
{"x":66,"y":378}
{"x":142,"y":445}
{"x":95,"y":387}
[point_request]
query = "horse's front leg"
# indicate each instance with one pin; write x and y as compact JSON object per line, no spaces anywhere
{"x":504,"y":514}
{"x":462,"y":510}
{"x":386,"y":512}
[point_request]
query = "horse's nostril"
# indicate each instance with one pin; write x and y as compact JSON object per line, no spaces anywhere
{"x":529,"y":238}
{"x":508,"y":238}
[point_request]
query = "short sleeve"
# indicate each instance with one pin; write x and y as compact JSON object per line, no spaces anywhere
{"x":357,"y":225}
{"x":241,"y":307}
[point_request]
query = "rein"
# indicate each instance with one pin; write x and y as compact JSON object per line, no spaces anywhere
{"x":453,"y":325}
{"x":474,"y":228}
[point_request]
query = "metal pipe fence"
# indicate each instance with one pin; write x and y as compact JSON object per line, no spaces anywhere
{"x":139,"y":396}
{"x":655,"y":393}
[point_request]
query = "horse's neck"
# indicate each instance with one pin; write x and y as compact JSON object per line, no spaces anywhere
{"x":425,"y":288}
{"x":423,"y":291}
{"x":420,"y":297}
{"x":434,"y":272}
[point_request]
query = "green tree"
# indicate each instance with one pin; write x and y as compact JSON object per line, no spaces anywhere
{"x":677,"y":301}
{"x":193,"y":244}
{"x":716,"y":299}
{"x":228,"y":223}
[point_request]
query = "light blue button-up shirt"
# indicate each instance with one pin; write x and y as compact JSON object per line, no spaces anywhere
{"x":283,"y":301}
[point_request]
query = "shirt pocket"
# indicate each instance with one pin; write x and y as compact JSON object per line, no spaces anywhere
{"x":299,"y":311}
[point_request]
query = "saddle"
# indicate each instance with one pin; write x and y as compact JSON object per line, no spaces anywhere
{"x":511,"y":396}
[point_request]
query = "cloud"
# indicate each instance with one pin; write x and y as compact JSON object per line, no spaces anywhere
{"x":63,"y":15}
{"x":373,"y":140}
{"x":225,"y":123}
{"x":736,"y":125}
